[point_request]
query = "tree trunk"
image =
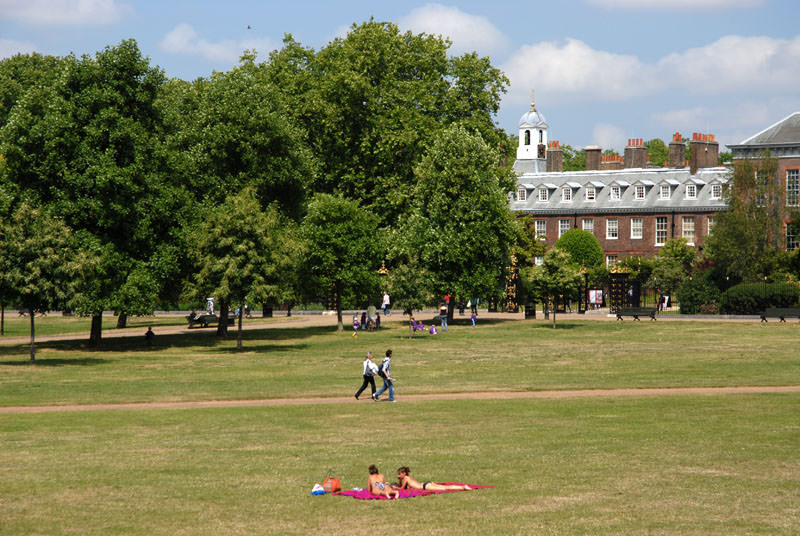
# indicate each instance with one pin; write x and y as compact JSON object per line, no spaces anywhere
{"x":33,"y":346}
{"x":122,"y":321}
{"x":222,"y":325}
{"x":339,"y":307}
{"x":239,"y":333}
{"x":96,"y":333}
{"x":555,"y":306}
{"x":2,"y":319}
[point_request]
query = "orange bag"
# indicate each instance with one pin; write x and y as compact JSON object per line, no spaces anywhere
{"x":331,"y":484}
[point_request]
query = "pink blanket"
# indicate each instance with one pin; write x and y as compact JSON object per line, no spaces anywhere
{"x":404,"y":493}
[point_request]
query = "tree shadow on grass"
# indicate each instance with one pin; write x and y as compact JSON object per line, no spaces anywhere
{"x":548,"y":324}
{"x":56,"y":362}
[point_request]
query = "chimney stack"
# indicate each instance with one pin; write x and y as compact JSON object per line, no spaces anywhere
{"x":703,"y":152}
{"x":555,"y":157}
{"x":611,"y":161}
{"x":677,"y":151}
{"x":635,"y":154}
{"x":593,"y":157}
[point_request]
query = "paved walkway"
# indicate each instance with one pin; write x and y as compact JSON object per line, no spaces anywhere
{"x":484,"y":395}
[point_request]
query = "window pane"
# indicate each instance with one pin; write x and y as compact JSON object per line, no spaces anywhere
{"x":563,"y":227}
{"x":688,"y":229}
{"x":588,"y":225}
{"x":636,"y":227}
{"x":612,"y":228}
{"x":661,"y":231}
{"x":541,"y":229}
{"x":792,"y":197}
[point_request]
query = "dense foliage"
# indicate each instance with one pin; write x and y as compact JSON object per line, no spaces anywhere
{"x":754,"y":298}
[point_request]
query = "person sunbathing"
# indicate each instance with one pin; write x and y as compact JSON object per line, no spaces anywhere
{"x":407,"y":482}
{"x":376,"y":484}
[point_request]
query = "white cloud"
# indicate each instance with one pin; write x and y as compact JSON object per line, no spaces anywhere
{"x":571,"y":70}
{"x":674,"y":5}
{"x":467,"y":32}
{"x":183,"y":39}
{"x":64,"y":12}
{"x":9,"y":48}
{"x":608,"y":136}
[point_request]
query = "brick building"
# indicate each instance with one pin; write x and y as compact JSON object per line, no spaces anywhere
{"x":631,"y":208}
{"x":782,"y":140}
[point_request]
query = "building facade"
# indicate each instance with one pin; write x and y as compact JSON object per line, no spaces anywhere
{"x":632,"y":208}
{"x":782,"y":140}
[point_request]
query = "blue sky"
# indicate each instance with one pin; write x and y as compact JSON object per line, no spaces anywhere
{"x":603,"y":70}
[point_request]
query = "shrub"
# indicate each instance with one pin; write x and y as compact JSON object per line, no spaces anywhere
{"x":582,"y":246}
{"x":754,"y":298}
{"x":697,"y":296}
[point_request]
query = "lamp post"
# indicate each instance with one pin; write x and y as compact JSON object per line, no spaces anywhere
{"x":585,"y":297}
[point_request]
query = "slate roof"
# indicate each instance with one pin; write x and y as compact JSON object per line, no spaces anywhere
{"x":784,"y":132}
{"x":626,"y":180}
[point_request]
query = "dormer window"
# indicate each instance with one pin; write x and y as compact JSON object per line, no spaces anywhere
{"x":566,"y":194}
{"x":590,"y":193}
{"x":664,"y":191}
{"x":716,"y":191}
{"x":543,"y":194}
{"x":638,"y":191}
{"x":614,"y":193}
{"x":522,"y":194}
{"x":691,"y":191}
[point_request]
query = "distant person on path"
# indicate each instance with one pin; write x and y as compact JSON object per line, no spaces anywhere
{"x":377,"y":321}
{"x":377,"y":485}
{"x":356,"y":325}
{"x":443,"y":316}
{"x":474,"y":305}
{"x":363,"y":320}
{"x":407,"y":482}
{"x":370,"y":370}
{"x":371,"y":312}
{"x":386,"y":305}
{"x":149,"y":336}
{"x":384,"y":371}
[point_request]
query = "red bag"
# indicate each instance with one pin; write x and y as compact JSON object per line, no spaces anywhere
{"x":331,"y":484}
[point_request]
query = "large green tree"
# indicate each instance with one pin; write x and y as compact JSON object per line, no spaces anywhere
{"x":344,"y":250}
{"x":373,"y":101}
{"x":39,"y":262}
{"x":21,"y":72}
{"x":242,"y":255}
{"x":461,"y":227}
{"x":88,"y":149}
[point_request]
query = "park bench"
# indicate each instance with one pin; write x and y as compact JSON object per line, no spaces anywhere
{"x":636,"y":312}
{"x":780,"y":312}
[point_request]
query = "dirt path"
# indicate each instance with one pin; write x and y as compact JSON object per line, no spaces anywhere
{"x":486,"y":395}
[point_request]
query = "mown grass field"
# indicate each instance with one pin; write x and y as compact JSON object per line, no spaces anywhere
{"x":675,"y":464}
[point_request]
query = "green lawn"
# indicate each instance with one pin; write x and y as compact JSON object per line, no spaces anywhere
{"x":688,"y":465}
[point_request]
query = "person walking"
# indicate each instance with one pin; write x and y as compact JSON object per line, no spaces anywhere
{"x":386,"y":305}
{"x":443,"y":310}
{"x":384,"y":371}
{"x":370,"y":370}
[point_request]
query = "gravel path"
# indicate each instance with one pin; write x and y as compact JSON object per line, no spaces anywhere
{"x":485,"y":395}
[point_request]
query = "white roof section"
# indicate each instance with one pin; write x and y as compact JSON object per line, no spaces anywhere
{"x":572,"y":184}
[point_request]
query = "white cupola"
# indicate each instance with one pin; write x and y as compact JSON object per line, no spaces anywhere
{"x":532,"y":134}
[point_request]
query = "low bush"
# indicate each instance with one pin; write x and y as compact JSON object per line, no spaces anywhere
{"x":697,"y":296}
{"x":754,"y":298}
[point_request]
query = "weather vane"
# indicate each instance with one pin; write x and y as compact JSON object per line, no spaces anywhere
{"x":533,"y":100}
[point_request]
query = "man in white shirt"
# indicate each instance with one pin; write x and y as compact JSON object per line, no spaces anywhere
{"x":370,"y":370}
{"x":386,"y":305}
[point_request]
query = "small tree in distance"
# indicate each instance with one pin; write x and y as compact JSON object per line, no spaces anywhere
{"x":557,"y":279}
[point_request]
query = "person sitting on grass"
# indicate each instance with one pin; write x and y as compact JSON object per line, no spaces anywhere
{"x":376,"y":484}
{"x":407,"y":482}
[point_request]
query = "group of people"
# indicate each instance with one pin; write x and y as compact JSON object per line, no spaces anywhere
{"x":384,"y":370}
{"x":377,"y":485}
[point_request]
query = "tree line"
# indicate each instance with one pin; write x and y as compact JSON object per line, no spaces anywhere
{"x":280,"y":181}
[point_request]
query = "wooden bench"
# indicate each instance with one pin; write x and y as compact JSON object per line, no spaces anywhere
{"x":636,"y":312}
{"x":780,"y":312}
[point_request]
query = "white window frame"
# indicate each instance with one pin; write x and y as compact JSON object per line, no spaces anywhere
{"x":563,"y":227}
{"x":538,"y":260}
{"x":611,"y":260}
{"x":615,"y":193}
{"x":544,"y":195}
{"x":566,"y":194}
{"x":637,"y":228}
{"x":716,"y":191}
{"x":664,"y":189}
{"x":688,"y":229}
{"x":541,"y":229}
{"x":792,"y":187}
{"x":591,"y":193}
{"x":691,"y":191}
{"x":639,"y":191}
{"x":612,"y":231}
{"x":522,"y":194}
{"x":709,"y":224}
{"x":665,"y":230}
{"x":590,"y":227}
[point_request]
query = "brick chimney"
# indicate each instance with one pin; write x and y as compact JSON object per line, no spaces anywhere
{"x":611,"y":161}
{"x":713,"y":151}
{"x":635,"y":154}
{"x":677,"y":151}
{"x":555,"y":157}
{"x":703,"y":152}
{"x":593,"y":157}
